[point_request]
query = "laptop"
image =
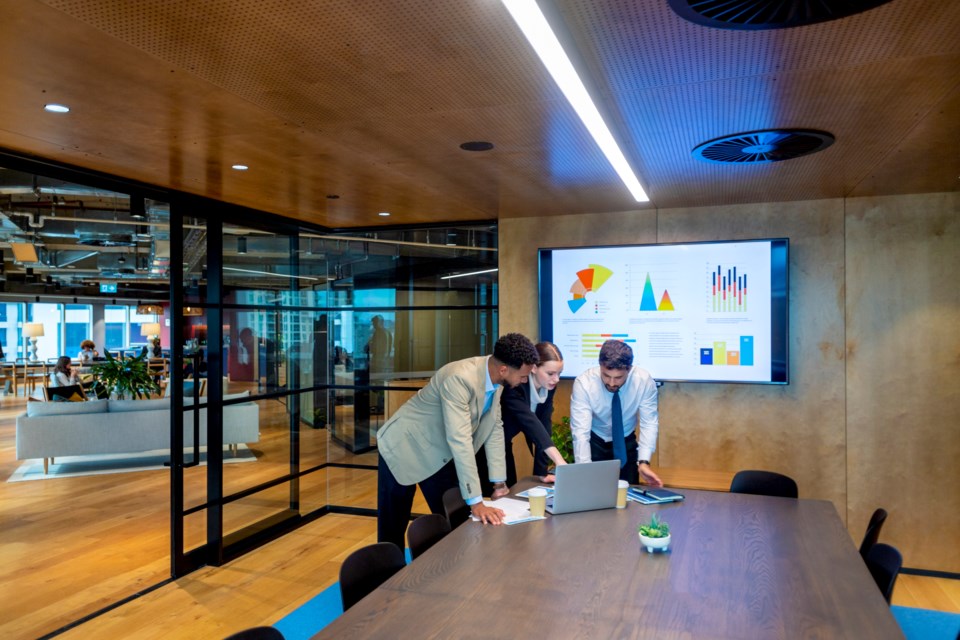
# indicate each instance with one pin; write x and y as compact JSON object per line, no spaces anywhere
{"x":584,"y":487}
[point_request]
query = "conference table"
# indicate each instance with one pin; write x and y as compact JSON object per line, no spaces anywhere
{"x":739,"y":566}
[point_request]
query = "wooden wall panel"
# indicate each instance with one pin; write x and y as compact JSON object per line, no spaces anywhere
{"x":903,"y":372}
{"x":875,"y":278}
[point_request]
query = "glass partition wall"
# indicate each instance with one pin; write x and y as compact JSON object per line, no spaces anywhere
{"x":285,"y":348}
{"x":321,"y":336}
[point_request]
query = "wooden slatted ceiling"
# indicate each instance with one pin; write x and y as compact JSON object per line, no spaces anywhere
{"x":370,"y":101}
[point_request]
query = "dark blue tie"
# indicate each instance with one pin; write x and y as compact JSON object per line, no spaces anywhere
{"x":616,"y":423}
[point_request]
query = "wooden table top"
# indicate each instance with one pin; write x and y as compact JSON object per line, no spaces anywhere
{"x":740,"y":566}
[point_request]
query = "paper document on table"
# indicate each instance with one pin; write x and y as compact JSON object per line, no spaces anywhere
{"x":515,"y":511}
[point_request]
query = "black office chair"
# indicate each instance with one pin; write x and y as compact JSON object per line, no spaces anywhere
{"x":366,"y":569}
{"x":873,"y":531}
{"x":455,"y":507}
{"x":426,"y":531}
{"x":257,"y":633}
{"x":884,"y":563}
{"x":764,"y":483}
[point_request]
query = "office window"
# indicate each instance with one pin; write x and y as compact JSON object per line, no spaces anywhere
{"x":115,"y":319}
{"x":77,"y":327}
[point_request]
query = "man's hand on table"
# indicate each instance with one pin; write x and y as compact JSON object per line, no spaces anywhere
{"x":486,"y":514}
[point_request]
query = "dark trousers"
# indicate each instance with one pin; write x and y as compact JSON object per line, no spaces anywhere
{"x":600,"y":450}
{"x":395,"y":500}
{"x":486,"y":487}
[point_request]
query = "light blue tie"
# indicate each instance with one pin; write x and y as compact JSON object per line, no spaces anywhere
{"x":616,"y":423}
{"x":489,"y":401}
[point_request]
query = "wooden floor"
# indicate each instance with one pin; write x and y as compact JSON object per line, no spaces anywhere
{"x":71,"y":546}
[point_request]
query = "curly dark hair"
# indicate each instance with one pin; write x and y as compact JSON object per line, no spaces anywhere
{"x":515,"y":350}
{"x":615,"y":354}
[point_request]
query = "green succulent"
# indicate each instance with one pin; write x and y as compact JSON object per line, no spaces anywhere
{"x":656,"y":528}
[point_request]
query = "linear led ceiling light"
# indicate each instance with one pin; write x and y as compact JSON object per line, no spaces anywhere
{"x":268,"y":273}
{"x":472,"y":273}
{"x":534,"y":25}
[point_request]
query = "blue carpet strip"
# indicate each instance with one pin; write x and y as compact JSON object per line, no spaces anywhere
{"x":924,"y":624}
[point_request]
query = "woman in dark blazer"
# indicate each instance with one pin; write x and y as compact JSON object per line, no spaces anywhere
{"x":528,"y":409}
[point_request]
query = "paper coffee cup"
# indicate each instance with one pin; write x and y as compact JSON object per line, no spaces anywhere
{"x":622,"y":494}
{"x":538,"y":502}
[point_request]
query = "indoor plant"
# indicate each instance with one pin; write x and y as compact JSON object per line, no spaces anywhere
{"x":563,"y":439}
{"x":655,"y":534}
{"x":131,"y":376}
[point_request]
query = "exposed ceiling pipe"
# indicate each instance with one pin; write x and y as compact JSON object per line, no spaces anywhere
{"x":39,"y":224}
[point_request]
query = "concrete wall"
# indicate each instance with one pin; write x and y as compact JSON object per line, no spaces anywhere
{"x":872,"y":414}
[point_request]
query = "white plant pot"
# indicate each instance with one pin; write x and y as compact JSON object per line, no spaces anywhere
{"x":654,"y":543}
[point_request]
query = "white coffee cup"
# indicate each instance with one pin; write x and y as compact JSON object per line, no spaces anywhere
{"x":622,"y":494}
{"x":537,"y":497}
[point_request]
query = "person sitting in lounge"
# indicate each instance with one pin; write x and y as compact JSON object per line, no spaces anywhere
{"x":63,"y":375}
{"x":88,"y":352}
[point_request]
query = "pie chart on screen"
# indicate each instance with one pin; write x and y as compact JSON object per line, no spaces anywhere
{"x":589,"y":279}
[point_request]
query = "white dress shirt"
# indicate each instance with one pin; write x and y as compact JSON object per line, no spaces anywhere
{"x":590,"y":407}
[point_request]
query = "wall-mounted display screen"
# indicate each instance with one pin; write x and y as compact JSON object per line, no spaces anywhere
{"x":696,"y":312}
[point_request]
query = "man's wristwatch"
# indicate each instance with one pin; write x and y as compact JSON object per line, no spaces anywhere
{"x":499,"y":485}
{"x":646,"y":462}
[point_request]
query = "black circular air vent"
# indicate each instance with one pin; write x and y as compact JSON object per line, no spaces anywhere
{"x":772,"y":145}
{"x":767,"y":14}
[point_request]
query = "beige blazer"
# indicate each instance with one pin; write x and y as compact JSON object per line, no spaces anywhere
{"x":442,"y":423}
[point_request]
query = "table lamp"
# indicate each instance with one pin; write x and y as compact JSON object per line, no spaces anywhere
{"x":149,"y":329}
{"x":33,"y":330}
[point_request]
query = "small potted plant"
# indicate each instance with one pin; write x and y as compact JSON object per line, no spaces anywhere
{"x":655,"y":535}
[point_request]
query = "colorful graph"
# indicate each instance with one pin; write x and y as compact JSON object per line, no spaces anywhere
{"x":728,"y":290}
{"x":719,"y":355}
{"x":589,"y":279}
{"x":648,"y":301}
{"x":590,"y":343}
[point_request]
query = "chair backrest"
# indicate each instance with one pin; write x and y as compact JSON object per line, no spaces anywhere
{"x":764,"y":483}
{"x":69,"y":392}
{"x":426,"y":531}
{"x":884,"y":563}
{"x":256,"y":633}
{"x":873,"y":531}
{"x":455,"y":507}
{"x":366,"y":569}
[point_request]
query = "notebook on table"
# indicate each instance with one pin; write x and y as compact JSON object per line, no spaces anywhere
{"x":653,"y":496}
{"x":584,"y":486}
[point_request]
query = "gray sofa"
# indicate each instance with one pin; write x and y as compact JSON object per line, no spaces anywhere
{"x":53,"y":429}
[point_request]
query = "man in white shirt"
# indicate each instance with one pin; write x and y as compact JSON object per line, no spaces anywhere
{"x":607,"y":404}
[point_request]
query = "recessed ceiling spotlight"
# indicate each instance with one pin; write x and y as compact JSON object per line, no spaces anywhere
{"x":56,"y":108}
{"x":240,"y":167}
{"x":384,"y":214}
{"x":477,"y":145}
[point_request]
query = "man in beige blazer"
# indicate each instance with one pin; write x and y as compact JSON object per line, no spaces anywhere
{"x":432,"y":440}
